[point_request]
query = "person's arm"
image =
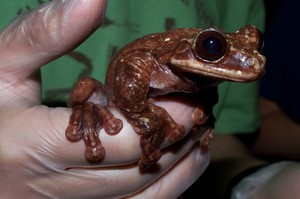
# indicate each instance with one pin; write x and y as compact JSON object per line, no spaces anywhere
{"x":279,"y":135}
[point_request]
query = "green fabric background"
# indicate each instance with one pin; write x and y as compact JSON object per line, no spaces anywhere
{"x":130,"y":19}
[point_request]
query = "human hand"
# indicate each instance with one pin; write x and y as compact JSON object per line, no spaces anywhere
{"x":36,"y":159}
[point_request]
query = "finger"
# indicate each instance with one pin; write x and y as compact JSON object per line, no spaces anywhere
{"x":116,"y":182}
{"x":44,"y":34}
{"x":179,"y":178}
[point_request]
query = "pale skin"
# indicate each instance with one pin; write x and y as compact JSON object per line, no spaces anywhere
{"x":37,"y":161}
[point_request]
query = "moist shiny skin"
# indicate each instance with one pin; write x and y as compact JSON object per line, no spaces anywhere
{"x":190,"y":62}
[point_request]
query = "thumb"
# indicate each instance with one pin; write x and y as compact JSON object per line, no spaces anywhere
{"x":44,"y":34}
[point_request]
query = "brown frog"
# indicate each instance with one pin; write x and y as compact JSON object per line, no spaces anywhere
{"x":189,"y":61}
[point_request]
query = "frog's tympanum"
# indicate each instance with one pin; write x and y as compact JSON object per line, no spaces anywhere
{"x":189,"y":61}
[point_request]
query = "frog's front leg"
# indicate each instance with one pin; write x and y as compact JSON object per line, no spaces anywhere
{"x":90,"y":114}
{"x":152,"y":123}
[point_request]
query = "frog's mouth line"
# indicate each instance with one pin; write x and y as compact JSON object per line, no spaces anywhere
{"x":223,"y":73}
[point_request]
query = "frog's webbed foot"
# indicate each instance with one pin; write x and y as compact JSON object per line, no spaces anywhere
{"x":85,"y":123}
{"x":154,"y":125}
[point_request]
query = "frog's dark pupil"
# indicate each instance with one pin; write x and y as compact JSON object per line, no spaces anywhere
{"x":211,"y":45}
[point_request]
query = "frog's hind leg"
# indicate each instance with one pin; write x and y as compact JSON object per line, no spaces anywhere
{"x":153,"y":125}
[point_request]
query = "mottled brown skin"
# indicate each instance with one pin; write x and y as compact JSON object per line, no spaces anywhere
{"x":160,"y":64}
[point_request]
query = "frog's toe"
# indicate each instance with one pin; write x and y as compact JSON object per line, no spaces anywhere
{"x":176,"y":134}
{"x":95,"y":153}
{"x":94,"y":150}
{"x":72,"y":133}
{"x":199,"y":116}
{"x":113,"y":126}
{"x":147,"y":161}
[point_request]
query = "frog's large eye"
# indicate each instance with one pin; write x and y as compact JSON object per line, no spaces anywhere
{"x":211,"y":45}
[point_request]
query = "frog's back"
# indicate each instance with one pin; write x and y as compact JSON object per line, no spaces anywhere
{"x":159,"y":43}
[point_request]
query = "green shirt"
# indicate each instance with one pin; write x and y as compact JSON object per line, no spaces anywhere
{"x":130,"y":19}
